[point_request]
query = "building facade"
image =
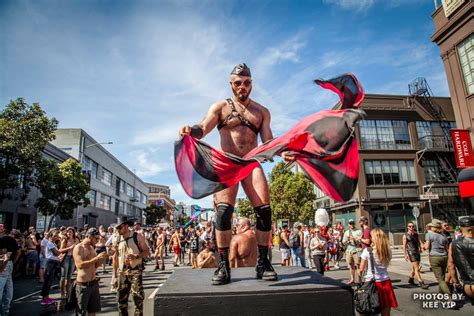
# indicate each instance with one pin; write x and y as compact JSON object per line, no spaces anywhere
{"x":454,"y":34}
{"x":405,"y":152}
{"x":115,"y":190}
{"x":160,"y":195}
{"x":21,"y":214}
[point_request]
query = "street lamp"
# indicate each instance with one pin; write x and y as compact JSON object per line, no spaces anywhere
{"x":91,"y":145}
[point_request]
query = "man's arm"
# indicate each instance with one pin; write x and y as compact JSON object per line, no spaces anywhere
{"x":405,"y":247}
{"x":143,"y":246}
{"x":206,"y":125}
{"x":78,"y":253}
{"x":451,"y":267}
{"x":265,"y":130}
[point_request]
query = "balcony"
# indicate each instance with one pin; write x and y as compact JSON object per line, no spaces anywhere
{"x":438,"y":143}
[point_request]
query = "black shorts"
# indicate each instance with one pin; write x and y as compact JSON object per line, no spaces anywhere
{"x":414,"y":257}
{"x":88,"y":298}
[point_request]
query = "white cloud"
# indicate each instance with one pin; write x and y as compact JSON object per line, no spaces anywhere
{"x":358,"y":5}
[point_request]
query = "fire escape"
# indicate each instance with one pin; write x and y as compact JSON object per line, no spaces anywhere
{"x":436,"y":145}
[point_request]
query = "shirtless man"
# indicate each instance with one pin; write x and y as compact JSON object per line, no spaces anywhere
{"x":87,"y":285}
{"x":206,"y":258}
{"x":176,"y":247}
{"x":243,"y":247}
{"x":160,"y":249}
{"x":239,"y":121}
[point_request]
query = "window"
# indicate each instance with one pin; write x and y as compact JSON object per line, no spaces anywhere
{"x":106,"y":176}
{"x":104,"y":202}
{"x":91,"y":165}
{"x":434,"y":134}
{"x":384,"y":134}
{"x":466,"y":58}
{"x":122,"y":186}
{"x":92,"y":197}
{"x":129,"y":190}
{"x":144,"y":199}
{"x":387,"y":172}
{"x":432,"y":171}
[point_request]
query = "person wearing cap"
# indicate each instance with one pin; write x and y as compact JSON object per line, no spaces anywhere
{"x":240,"y":120}
{"x":131,"y":252}
{"x":351,"y":241}
{"x":461,"y":256}
{"x":87,"y":284}
{"x":437,"y":244}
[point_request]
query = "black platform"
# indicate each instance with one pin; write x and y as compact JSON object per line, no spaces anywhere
{"x":297,"y":292}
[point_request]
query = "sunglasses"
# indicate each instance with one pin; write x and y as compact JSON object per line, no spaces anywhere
{"x":238,"y":83}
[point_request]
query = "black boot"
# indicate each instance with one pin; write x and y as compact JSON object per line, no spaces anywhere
{"x":411,"y":281}
{"x":264,"y":267}
{"x":222,"y":274}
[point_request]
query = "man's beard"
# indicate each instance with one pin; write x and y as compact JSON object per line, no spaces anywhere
{"x":241,"y":97}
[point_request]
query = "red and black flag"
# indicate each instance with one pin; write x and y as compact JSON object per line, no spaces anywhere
{"x":323,"y":143}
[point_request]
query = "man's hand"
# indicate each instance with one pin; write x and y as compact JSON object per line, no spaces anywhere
{"x":186,"y":130}
{"x":288,"y":156}
{"x":101,"y":256}
{"x":406,"y":258}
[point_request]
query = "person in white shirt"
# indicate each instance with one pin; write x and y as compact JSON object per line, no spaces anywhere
{"x":53,"y":263}
{"x":380,"y":251}
{"x":306,"y":239}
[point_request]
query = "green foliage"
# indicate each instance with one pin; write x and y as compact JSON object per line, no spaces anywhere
{"x":291,"y":194}
{"x":244,"y":208}
{"x":154,"y":214}
{"x":63,"y":188}
{"x":24,"y":132}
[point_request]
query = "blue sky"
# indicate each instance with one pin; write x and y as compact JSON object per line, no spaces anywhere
{"x":133,"y":72}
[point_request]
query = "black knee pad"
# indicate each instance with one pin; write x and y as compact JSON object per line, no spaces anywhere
{"x":224,"y":216}
{"x":264,"y":217}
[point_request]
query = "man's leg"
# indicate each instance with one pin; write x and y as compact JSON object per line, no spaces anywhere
{"x":225,"y":201}
{"x":256,"y":188}
{"x":123,"y":291}
{"x":137,"y":291}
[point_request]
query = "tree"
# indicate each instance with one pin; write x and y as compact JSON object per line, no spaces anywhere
{"x":291,"y":194}
{"x":24,"y":132}
{"x":244,"y":208}
{"x":154,"y":214}
{"x":63,"y":188}
{"x":278,"y":178}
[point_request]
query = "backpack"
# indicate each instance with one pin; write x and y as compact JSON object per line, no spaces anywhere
{"x":294,"y":240}
{"x":135,"y":240}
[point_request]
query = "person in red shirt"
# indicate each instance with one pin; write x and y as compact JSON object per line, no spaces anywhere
{"x":364,"y":225}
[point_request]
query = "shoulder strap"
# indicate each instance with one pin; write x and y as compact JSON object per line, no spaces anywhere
{"x":372,"y":262}
{"x":228,"y":117}
{"x":135,"y":240}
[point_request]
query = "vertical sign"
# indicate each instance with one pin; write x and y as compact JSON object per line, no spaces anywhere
{"x":462,"y":148}
{"x":449,"y":6}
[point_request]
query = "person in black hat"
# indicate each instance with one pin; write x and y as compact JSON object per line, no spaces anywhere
{"x":240,"y":120}
{"x":131,"y":252}
{"x":87,"y":284}
{"x":461,"y":256}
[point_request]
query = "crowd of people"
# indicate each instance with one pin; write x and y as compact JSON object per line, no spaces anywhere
{"x":127,"y":247}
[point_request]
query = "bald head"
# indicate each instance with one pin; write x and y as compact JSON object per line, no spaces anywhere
{"x":243,"y":225}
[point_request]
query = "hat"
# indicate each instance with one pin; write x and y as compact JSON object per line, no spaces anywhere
{"x":351,"y":221}
{"x":436,"y":223}
{"x":126,"y":220}
{"x":363,"y":219}
{"x":241,"y":70}
{"x":297,"y":224}
{"x":92,"y":232}
{"x":466,"y":221}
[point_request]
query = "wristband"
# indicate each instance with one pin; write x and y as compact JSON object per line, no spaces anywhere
{"x":196,"y":132}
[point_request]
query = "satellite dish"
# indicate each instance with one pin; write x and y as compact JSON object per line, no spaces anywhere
{"x":321,"y":217}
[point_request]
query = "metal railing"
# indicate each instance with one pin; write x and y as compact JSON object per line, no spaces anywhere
{"x":435,"y":142}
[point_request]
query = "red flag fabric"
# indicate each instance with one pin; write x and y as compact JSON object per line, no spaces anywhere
{"x":323,"y":143}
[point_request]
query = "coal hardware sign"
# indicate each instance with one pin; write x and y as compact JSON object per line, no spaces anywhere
{"x":462,"y":148}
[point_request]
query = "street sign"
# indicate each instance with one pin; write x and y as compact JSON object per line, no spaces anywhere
{"x":416,"y":211}
{"x":429,"y":196}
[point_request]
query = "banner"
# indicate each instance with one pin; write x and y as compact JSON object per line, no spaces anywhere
{"x":462,"y":148}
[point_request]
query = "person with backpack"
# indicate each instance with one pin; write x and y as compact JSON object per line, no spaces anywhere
{"x":376,"y":258}
{"x":132,"y":250}
{"x":295,"y":244}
